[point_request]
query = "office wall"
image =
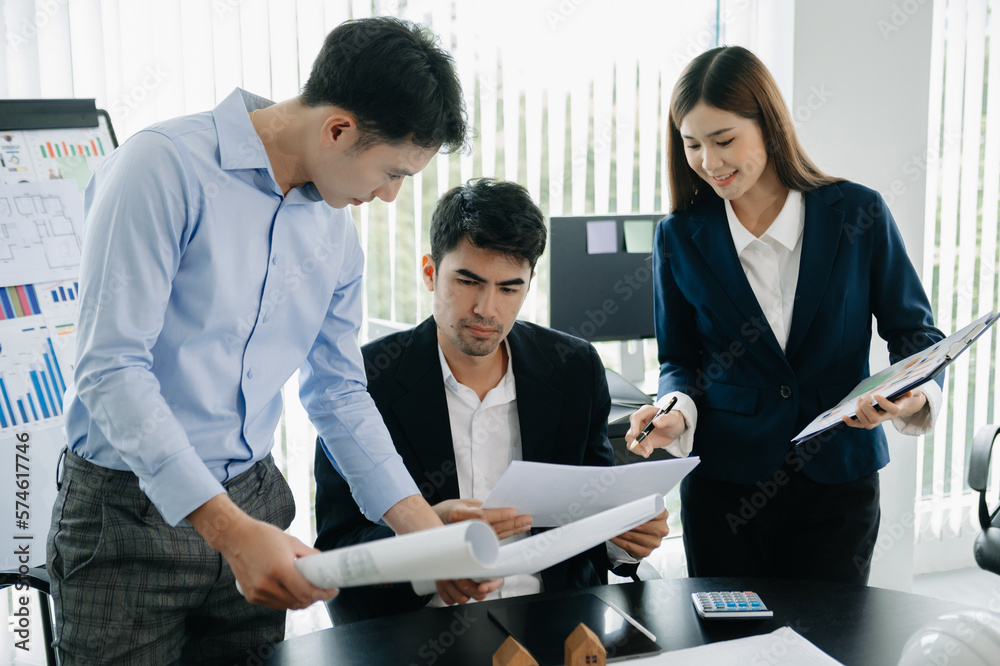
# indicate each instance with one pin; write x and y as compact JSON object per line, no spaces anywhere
{"x":860,"y":99}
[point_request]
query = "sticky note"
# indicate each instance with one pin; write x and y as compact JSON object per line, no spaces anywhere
{"x":639,"y":236}
{"x":602,"y":237}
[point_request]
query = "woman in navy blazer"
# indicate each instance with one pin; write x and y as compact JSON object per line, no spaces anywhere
{"x":767,"y":275}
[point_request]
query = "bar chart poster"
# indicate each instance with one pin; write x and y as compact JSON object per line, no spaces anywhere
{"x":41,"y":232}
{"x":60,"y":313}
{"x":71,"y":154}
{"x":32,"y":379}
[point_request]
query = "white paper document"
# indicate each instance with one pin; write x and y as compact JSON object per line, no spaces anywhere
{"x":782,"y":646}
{"x":558,"y":494}
{"x":468,"y":549}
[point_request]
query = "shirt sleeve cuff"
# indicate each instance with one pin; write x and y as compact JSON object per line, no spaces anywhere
{"x":923,"y":421}
{"x":182,"y":484}
{"x":374,"y":495}
{"x":618,"y":555}
{"x":681,"y":447}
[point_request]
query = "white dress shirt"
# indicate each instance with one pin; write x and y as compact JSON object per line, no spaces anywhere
{"x":486,"y":437}
{"x":771,"y":264}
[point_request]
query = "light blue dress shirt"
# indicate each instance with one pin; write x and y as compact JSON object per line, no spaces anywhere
{"x":203,"y":289}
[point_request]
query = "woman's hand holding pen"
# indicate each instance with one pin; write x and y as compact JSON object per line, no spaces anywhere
{"x":666,"y":429}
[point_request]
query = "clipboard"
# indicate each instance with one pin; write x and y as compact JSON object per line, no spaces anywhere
{"x":901,"y":376}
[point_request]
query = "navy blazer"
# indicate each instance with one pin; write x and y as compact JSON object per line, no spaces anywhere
{"x":562,"y":408}
{"x":715,"y":343}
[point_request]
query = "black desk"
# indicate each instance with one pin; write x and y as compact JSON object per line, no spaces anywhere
{"x":855,"y":625}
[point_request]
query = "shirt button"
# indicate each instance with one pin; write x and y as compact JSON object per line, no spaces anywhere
{"x":786,"y":392}
{"x":250,"y":373}
{"x":274,"y":260}
{"x":265,"y":318}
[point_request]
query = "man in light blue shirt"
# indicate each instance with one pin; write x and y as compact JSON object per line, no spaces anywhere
{"x":219,"y":259}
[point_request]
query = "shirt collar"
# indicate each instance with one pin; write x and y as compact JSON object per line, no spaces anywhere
{"x":786,"y":228}
{"x":506,"y":384}
{"x":241,"y":148}
{"x":239,"y":145}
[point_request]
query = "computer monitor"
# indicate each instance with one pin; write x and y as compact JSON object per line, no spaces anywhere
{"x":601,"y":281}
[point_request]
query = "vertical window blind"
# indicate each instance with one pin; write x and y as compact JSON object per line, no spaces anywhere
{"x":960,"y":265}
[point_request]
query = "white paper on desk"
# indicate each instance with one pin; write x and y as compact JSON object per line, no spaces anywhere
{"x":557,"y":494}
{"x":467,"y":550}
{"x":783,"y":646}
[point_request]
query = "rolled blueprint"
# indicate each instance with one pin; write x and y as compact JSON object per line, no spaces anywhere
{"x":468,"y":549}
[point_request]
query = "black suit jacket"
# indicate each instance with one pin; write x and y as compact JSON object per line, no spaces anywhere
{"x":562,"y":406}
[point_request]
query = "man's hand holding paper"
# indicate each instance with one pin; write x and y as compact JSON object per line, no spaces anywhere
{"x":641,"y":541}
{"x":505,"y":521}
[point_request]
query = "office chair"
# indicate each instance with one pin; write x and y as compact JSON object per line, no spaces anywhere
{"x":37,"y":578}
{"x":987,"y":546}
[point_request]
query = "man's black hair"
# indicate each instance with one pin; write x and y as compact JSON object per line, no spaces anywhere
{"x":494,"y":215}
{"x":395,"y":79}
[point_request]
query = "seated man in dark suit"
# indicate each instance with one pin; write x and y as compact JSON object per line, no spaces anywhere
{"x":470,"y":390}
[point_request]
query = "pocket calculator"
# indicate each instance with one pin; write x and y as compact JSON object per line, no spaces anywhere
{"x":730,"y":605}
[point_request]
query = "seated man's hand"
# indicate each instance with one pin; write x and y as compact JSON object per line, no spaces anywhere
{"x":506,"y":522}
{"x":460,"y":591}
{"x":666,"y":429}
{"x":644,"y":539}
{"x":869,"y":416}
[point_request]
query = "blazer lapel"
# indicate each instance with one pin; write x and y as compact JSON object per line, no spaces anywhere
{"x":422,"y":412}
{"x":715,"y":243}
{"x":820,"y":241}
{"x":537,"y":399}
